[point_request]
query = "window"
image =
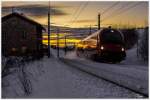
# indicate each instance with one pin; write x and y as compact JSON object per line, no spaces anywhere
{"x":24,"y":35}
{"x":111,"y":36}
{"x":14,"y":49}
{"x":4,"y":36}
{"x":24,"y":49}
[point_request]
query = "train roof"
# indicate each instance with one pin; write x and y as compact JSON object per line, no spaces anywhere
{"x":97,"y":32}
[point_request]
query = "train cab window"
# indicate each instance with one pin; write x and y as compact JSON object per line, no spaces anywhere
{"x":111,"y":36}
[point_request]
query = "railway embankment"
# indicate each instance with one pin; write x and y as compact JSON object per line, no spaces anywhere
{"x":130,"y":78}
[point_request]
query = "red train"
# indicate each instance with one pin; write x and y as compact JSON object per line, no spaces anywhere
{"x":105,"y":45}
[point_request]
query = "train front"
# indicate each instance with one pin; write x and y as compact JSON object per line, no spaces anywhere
{"x":111,"y":46}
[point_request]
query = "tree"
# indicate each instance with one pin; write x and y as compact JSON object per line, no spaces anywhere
{"x":143,"y":45}
{"x":130,"y":37}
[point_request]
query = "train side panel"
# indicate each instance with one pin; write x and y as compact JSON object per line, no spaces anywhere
{"x":97,"y":47}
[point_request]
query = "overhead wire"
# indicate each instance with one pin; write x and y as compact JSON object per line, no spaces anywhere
{"x":83,"y":7}
{"x":122,"y":11}
{"x":109,"y":8}
{"x":118,"y":9}
{"x":76,"y":11}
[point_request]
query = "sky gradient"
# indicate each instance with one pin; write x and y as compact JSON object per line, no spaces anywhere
{"x":82,"y":14}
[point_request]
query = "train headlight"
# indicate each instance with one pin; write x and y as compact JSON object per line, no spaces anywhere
{"x":102,"y":48}
{"x":122,"y":49}
{"x":112,"y":30}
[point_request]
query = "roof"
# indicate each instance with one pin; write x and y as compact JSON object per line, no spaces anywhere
{"x":98,"y":32}
{"x":23,"y":18}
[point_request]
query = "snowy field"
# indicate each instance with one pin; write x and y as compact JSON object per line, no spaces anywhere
{"x":64,"y":77}
{"x":52,"y":79}
{"x":129,"y":77}
{"x":131,"y":70}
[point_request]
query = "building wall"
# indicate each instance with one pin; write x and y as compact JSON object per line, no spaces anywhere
{"x":12,"y":33}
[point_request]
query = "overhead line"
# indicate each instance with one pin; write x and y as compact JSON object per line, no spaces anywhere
{"x":83,"y":7}
{"x":75,"y":12}
{"x":123,"y":7}
{"x":122,"y":11}
{"x":109,"y":8}
{"x":119,"y":9}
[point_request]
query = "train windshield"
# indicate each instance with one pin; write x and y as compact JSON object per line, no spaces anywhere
{"x":111,"y":36}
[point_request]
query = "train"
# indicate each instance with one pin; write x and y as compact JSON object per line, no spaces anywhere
{"x":105,"y":45}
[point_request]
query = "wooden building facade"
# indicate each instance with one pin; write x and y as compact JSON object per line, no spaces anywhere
{"x":21,"y":36}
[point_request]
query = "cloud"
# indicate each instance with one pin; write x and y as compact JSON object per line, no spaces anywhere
{"x":84,"y":21}
{"x":35,"y":10}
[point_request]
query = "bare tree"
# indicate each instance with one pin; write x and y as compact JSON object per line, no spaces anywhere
{"x":130,"y":37}
{"x":143,"y":45}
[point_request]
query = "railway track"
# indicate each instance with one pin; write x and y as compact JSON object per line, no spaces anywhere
{"x":138,"y":90}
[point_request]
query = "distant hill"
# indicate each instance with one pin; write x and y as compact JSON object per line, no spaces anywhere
{"x":54,"y":29}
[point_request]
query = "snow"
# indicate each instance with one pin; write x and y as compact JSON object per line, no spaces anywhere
{"x":50,"y":78}
{"x":132,"y":59}
{"x":54,"y":53}
{"x":131,"y":70}
{"x":14,"y":84}
{"x":61,"y":81}
{"x":121,"y":75}
{"x":4,"y":62}
{"x":59,"y":78}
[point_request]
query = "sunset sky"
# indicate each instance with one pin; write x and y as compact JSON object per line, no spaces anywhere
{"x":82,"y":14}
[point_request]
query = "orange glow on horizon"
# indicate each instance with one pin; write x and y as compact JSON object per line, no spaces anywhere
{"x":53,"y":41}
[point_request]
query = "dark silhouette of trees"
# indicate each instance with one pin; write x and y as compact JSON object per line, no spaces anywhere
{"x":130,"y":37}
{"x":143,"y":45}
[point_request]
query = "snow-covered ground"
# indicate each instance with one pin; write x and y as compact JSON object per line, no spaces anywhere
{"x":18,"y":80}
{"x":132,"y":64}
{"x":131,"y":70}
{"x":51,"y":78}
{"x":133,"y":78}
{"x":132,"y":59}
{"x":61,"y":81}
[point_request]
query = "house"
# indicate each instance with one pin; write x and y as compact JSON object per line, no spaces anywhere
{"x":21,"y":36}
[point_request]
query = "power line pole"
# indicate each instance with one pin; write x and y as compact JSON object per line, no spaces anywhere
{"x":57,"y":43}
{"x":49,"y":31}
{"x":65,"y":45}
{"x":99,"y":15}
{"x":12,"y":9}
{"x":137,"y":48}
{"x":90,"y":31}
{"x":98,"y":29}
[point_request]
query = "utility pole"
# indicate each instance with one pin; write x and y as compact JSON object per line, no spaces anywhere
{"x":57,"y":43}
{"x":99,"y":15}
{"x":65,"y":45}
{"x":49,"y":31}
{"x":90,"y":30}
{"x":12,"y":9}
{"x":137,"y":49}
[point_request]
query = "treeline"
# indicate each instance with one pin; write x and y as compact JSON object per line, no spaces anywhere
{"x":143,"y":45}
{"x":132,"y":38}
